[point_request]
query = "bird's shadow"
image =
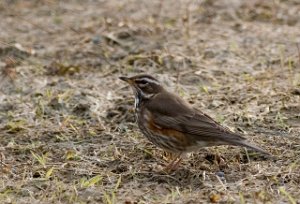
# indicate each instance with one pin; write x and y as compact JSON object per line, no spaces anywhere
{"x":182,"y":177}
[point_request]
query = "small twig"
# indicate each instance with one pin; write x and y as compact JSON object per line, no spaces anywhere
{"x":111,"y":71}
{"x":221,"y":182}
{"x":33,"y":24}
{"x":247,"y":154}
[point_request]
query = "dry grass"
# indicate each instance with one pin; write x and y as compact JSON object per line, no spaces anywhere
{"x":67,"y":127}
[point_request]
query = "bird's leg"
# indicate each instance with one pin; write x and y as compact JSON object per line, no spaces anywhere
{"x":173,"y":165}
{"x":176,"y":165}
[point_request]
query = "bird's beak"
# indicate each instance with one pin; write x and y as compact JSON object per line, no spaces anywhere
{"x":126,"y":79}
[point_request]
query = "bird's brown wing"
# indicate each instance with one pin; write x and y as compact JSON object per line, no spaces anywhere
{"x":175,"y":114}
{"x":170,"y":112}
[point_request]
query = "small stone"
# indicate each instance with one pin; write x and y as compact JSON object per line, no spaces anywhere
{"x":96,"y":39}
{"x":220,"y":174}
{"x":214,"y":198}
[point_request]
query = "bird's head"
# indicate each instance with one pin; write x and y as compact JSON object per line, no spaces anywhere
{"x":144,"y":86}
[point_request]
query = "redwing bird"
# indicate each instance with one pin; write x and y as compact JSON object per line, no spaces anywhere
{"x":173,"y":125}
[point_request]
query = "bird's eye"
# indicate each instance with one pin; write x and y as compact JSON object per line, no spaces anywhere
{"x":142,"y":83}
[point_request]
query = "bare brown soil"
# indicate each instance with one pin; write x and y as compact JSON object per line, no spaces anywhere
{"x":67,"y":126}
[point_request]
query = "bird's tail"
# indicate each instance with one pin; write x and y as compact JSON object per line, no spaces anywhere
{"x":244,"y":143}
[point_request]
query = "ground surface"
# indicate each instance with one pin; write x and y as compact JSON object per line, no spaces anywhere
{"x":67,"y":127}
